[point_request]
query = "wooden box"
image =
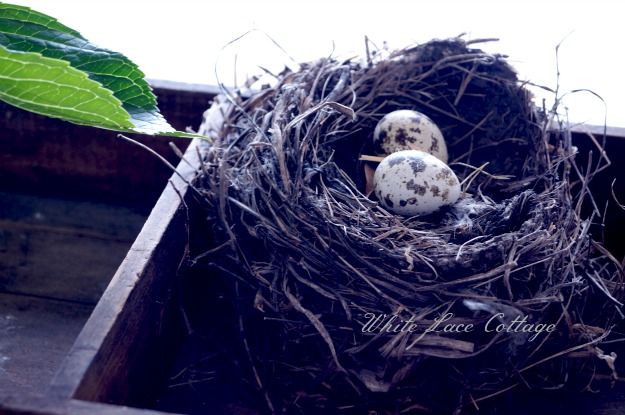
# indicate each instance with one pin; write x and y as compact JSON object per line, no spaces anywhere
{"x":72,"y":201}
{"x":120,"y":355}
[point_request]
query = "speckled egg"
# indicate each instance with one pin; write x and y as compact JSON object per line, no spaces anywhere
{"x":413,"y":182}
{"x":409,"y":130}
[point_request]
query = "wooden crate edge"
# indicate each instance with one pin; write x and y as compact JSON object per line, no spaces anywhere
{"x":100,"y":365}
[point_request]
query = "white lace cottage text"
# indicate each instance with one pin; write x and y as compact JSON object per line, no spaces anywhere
{"x":497,"y":323}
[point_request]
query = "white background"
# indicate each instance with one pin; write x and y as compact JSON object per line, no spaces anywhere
{"x":189,"y":41}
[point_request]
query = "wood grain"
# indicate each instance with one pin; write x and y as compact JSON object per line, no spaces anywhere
{"x":72,"y":201}
{"x":121,"y":354}
{"x":52,"y":157}
{"x":39,"y":405}
{"x":62,"y":249}
{"x":35,"y":336}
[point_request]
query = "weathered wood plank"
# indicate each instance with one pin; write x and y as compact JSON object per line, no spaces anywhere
{"x":35,"y":336}
{"x":53,"y":157}
{"x":62,"y":249}
{"x":39,"y":405}
{"x":118,"y":358}
{"x":61,"y":243}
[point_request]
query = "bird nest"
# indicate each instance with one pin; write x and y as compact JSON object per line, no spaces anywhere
{"x":337,"y":304}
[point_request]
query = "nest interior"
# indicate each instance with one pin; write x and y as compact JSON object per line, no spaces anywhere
{"x":331,"y":303}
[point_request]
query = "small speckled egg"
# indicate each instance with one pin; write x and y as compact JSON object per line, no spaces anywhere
{"x":413,"y":182}
{"x":409,"y":130}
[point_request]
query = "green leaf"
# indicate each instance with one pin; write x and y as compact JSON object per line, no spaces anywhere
{"x":25,"y":14}
{"x":23,"y":30}
{"x":52,"y":87}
